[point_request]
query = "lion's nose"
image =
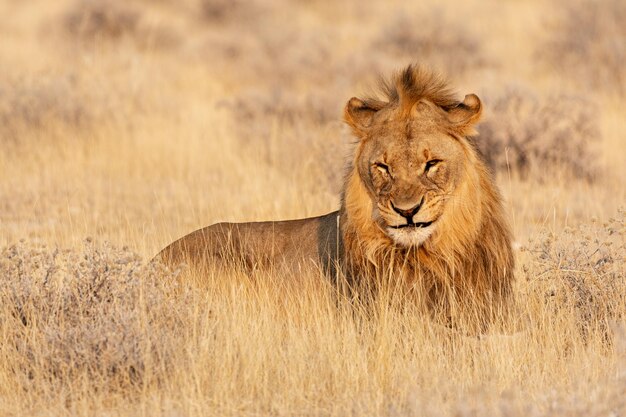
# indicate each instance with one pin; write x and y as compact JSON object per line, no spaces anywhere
{"x":408,"y":213}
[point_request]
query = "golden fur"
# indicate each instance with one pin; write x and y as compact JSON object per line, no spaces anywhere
{"x":418,"y":205}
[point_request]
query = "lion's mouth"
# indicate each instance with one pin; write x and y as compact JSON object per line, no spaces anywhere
{"x":415,"y":225}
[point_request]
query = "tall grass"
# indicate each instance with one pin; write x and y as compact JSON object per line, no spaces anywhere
{"x":96,"y":329}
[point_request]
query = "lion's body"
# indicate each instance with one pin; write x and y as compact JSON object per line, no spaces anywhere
{"x":291,"y":244}
{"x":418,"y":204}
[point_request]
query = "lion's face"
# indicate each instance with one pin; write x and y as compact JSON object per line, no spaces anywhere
{"x":411,"y":164}
{"x":410,"y":170}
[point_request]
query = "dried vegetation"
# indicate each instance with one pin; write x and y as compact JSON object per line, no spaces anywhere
{"x":582,"y":270}
{"x":540,"y":136}
{"x":587,"y":42}
{"x":97,"y":314}
{"x":409,"y":36}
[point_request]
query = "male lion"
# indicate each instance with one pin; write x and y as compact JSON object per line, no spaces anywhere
{"x":418,"y":204}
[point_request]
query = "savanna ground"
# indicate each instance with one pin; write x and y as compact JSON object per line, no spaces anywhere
{"x":124,"y":125}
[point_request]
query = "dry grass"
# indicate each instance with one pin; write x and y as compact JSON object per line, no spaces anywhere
{"x":95,"y":330}
{"x":137,"y":123}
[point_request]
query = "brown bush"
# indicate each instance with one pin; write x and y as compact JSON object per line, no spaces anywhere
{"x":112,"y":21}
{"x":281,"y":58}
{"x":588,"y":43}
{"x":98,"y":313}
{"x":101,"y":19}
{"x":537,"y":136}
{"x":258,"y":108}
{"x":50,"y":107}
{"x":582,"y":270}
{"x":287,"y":128}
{"x":421,"y":37}
{"x":229,"y":11}
{"x":36,"y":105}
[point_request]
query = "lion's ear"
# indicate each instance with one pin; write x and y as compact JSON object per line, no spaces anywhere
{"x":466,"y":114}
{"x":358,"y":114}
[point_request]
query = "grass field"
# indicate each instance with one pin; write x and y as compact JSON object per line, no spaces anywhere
{"x":124,"y":125}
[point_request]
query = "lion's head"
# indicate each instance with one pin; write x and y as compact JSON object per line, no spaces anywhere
{"x":413,"y":160}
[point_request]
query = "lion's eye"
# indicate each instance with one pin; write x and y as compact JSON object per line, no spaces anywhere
{"x":431,"y":164}
{"x":382,"y":167}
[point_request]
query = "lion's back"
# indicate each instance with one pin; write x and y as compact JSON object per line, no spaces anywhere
{"x":290,"y":243}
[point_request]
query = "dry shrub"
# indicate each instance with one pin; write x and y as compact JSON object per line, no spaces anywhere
{"x":288,"y":57}
{"x":241,"y":38}
{"x":259,"y":108}
{"x":537,"y":136}
{"x":97,"y":314}
{"x":288,"y":130}
{"x":228,"y":11}
{"x":310,"y":56}
{"x":588,"y":42}
{"x":421,"y":37}
{"x":111,"y":21}
{"x":582,"y":270}
{"x":36,"y":105}
{"x":52,"y":106}
{"x":102,"y":19}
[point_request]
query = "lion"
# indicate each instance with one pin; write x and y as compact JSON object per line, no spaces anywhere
{"x":418,"y":204}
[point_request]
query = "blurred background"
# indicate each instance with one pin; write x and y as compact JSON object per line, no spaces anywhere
{"x":139,"y":121}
